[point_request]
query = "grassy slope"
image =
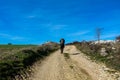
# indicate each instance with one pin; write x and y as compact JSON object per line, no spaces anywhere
{"x":23,"y":56}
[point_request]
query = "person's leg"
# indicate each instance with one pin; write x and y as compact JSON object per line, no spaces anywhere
{"x":61,"y":49}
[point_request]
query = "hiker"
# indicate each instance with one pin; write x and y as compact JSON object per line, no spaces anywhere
{"x":62,"y":45}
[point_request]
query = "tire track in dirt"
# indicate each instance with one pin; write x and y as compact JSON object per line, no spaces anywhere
{"x":79,"y":73}
{"x":93,"y":69}
{"x":56,"y":67}
{"x":76,"y":67}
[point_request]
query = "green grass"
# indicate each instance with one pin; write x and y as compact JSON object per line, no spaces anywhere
{"x":14,"y":46}
{"x":12,"y":64}
{"x":7,"y":50}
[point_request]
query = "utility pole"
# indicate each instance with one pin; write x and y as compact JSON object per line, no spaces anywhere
{"x":98,"y":34}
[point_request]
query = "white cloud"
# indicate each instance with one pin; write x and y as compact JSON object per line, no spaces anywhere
{"x":5,"y":35}
{"x":11,"y":37}
{"x":52,"y":27}
{"x":109,"y":36}
{"x":58,"y":27}
{"x":32,"y":16}
{"x":17,"y":38}
{"x":79,"y":33}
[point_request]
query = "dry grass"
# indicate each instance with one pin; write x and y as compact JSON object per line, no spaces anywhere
{"x":112,"y":60}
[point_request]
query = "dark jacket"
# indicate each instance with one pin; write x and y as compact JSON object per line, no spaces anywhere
{"x":62,"y":43}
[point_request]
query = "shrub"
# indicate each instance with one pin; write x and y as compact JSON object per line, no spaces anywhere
{"x":112,"y":60}
{"x":12,"y":64}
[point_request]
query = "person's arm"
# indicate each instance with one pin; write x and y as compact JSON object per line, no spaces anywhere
{"x":64,"y":41}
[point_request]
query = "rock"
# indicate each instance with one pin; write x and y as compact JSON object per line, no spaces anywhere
{"x":118,"y":78}
{"x":110,"y":57}
{"x":113,"y":48}
{"x":103,"y":52}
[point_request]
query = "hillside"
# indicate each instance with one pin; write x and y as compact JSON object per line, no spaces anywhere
{"x":15,"y":60}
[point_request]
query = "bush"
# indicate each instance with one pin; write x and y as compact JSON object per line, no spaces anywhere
{"x":11,"y":65}
{"x":112,"y":60}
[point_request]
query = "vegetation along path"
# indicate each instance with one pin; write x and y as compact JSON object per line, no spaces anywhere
{"x":72,"y":65}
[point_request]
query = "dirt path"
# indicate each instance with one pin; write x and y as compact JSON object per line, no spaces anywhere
{"x":75,"y":66}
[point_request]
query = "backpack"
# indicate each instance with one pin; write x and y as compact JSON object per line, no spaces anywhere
{"x":62,"y":41}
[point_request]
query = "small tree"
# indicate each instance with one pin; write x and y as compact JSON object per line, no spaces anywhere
{"x":9,"y":43}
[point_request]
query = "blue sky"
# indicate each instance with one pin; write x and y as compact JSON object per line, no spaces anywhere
{"x":38,"y":21}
